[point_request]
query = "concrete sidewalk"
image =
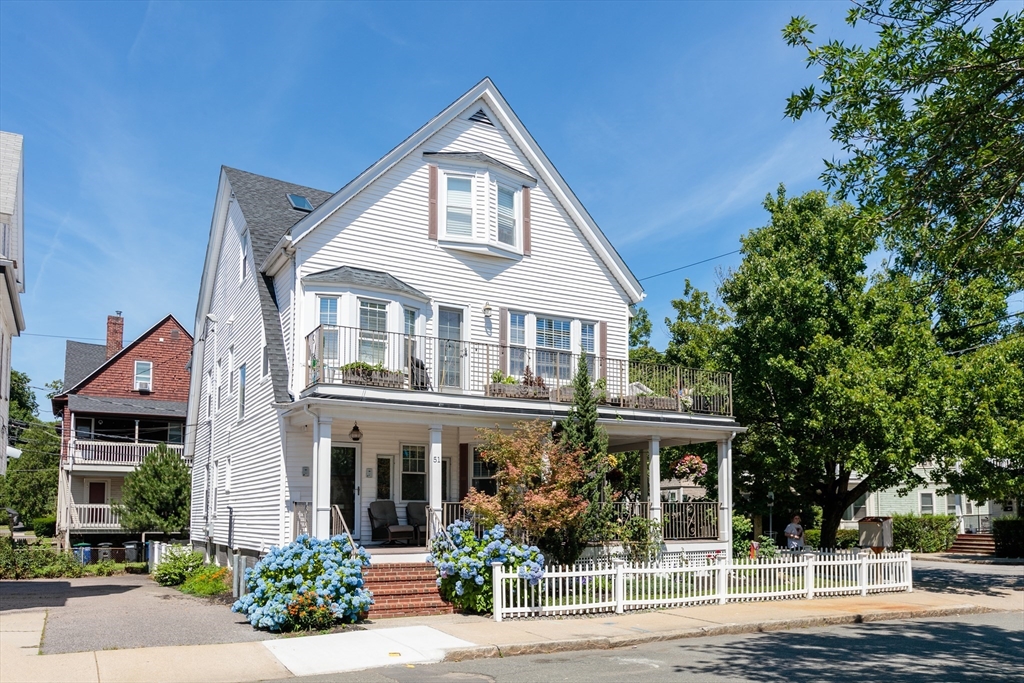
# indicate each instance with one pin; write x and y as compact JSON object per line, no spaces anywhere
{"x":967,"y":559}
{"x":452,"y":637}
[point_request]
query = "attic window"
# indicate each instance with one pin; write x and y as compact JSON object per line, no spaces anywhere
{"x":301,"y":203}
{"x":481,"y":117}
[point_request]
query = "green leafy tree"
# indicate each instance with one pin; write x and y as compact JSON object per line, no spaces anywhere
{"x":697,"y":335}
{"x":928,"y":113}
{"x":30,"y":485}
{"x":834,"y":375}
{"x":640,"y":349}
{"x":54,"y":388}
{"x":156,"y":496}
{"x":23,"y":399}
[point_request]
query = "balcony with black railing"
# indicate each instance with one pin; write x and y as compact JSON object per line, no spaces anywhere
{"x":354,"y":356}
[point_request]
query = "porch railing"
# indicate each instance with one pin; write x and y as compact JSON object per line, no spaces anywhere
{"x":90,"y":452}
{"x":92,"y":516}
{"x":349,"y":355}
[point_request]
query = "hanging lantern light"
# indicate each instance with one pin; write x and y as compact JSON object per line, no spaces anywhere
{"x":355,"y":434}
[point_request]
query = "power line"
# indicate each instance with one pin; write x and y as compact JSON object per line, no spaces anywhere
{"x":689,"y":265}
{"x":60,"y":336}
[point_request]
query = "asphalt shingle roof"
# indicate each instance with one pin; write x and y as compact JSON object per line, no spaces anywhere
{"x":146,"y":407}
{"x":361,"y":277}
{"x":80,"y":360}
{"x":269,"y":216}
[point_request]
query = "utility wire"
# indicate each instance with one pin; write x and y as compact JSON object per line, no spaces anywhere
{"x":689,"y":265}
{"x":59,"y":336}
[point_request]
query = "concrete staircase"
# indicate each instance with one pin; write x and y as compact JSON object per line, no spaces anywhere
{"x":404,"y":590}
{"x":974,"y":544}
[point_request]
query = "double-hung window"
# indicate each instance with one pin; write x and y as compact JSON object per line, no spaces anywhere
{"x":373,"y":328}
{"x":409,"y":321}
{"x":143,"y":375}
{"x":554,"y":348}
{"x":588,"y":341}
{"x":506,"y":216}
{"x":328,"y":320}
{"x":484,"y":474}
{"x":927,"y":504}
{"x":414,"y":472}
{"x":516,"y":344}
{"x":459,"y":207}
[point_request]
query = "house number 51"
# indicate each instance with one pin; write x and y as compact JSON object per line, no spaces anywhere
{"x":436,"y":459}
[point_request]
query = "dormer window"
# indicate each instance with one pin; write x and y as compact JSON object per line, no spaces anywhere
{"x":506,"y":216}
{"x":459,"y":207}
{"x":300,"y":203}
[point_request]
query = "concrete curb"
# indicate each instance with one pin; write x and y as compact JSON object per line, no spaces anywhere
{"x":605,"y":643}
{"x":981,"y":559}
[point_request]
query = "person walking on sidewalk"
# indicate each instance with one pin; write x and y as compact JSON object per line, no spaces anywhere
{"x":795,"y":534}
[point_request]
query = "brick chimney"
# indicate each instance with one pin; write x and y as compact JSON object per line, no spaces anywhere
{"x":115,"y":334}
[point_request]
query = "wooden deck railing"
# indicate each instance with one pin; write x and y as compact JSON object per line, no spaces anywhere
{"x":348,"y":355}
{"x":92,"y":452}
{"x":96,"y":517}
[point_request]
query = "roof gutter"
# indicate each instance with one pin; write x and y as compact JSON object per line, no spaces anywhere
{"x":278,"y":256}
{"x":12,"y":286}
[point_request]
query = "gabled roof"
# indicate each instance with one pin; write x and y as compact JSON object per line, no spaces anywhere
{"x":71,"y":389}
{"x":80,"y":360}
{"x":481,"y":158}
{"x":361,"y":277}
{"x":488,"y":92}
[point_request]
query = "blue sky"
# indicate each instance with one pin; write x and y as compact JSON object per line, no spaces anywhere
{"x":666,"y":119}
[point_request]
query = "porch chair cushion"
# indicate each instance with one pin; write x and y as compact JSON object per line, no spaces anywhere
{"x":416,"y":515}
{"x":384,"y":521}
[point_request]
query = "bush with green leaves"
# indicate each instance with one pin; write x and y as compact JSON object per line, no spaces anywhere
{"x":641,"y":539}
{"x":924,"y":533}
{"x":845,"y":538}
{"x":207,"y":580}
{"x":136,"y":568}
{"x":742,"y":534}
{"x":21,"y":560}
{"x":177,"y":564}
{"x":45,"y":527}
{"x":1009,"y":536}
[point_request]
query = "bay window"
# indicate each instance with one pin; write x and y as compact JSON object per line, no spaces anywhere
{"x":506,"y":216}
{"x":554,"y":348}
{"x":373,"y":327}
{"x":328,"y":319}
{"x":517,"y":344}
{"x":459,"y":207}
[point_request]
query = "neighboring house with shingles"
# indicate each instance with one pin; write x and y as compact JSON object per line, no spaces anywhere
{"x":350,"y":344}
{"x":117,"y":404}
{"x":12,"y":270}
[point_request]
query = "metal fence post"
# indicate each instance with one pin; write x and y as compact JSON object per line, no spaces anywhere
{"x":723,"y":580}
{"x":497,"y":576}
{"x":809,"y":575}
{"x":910,"y":572}
{"x":862,"y":577}
{"x":619,"y":586}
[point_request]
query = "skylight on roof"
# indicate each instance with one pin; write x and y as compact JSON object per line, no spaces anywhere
{"x":301,"y":203}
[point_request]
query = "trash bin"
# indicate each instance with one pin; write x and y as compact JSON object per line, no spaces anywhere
{"x":83,"y":553}
{"x":105,"y":553}
{"x":131,"y":551}
{"x":876,"y":533}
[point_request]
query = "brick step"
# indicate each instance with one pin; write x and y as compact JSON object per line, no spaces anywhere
{"x":404,"y":590}
{"x":418,"y":612}
{"x":397,"y":589}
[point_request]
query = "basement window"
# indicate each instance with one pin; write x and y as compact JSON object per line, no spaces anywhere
{"x":301,"y":203}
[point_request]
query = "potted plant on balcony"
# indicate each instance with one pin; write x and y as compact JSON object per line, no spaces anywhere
{"x":371,"y":375}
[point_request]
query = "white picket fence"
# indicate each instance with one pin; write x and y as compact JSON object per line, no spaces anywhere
{"x":619,"y":586}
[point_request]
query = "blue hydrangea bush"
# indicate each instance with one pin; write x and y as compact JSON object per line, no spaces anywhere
{"x":323,"y":567}
{"x":464,"y":573}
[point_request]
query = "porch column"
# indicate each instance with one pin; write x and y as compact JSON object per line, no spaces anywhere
{"x":434,"y":478}
{"x":322,"y":481}
{"x":654,"y":477}
{"x":645,"y":493}
{"x":725,"y":495}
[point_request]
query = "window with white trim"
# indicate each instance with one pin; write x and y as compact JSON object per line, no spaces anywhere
{"x":231,"y":372}
{"x":484,"y":474}
{"x":414,"y":472}
{"x":328,"y":320}
{"x":458,"y":221}
{"x":517,"y":344}
{"x":409,"y":321}
{"x":241,"y":391}
{"x":220,"y":383}
{"x":373,"y":328}
{"x":927,"y":504}
{"x":243,"y":262}
{"x":506,"y":216}
{"x":143,"y":375}
{"x":588,"y":341}
{"x":554,"y":348}
{"x":951,"y":504}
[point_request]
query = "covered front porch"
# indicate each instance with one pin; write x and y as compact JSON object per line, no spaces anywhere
{"x":344,"y":453}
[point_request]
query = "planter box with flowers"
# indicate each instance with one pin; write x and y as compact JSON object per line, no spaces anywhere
{"x":370,"y":375}
{"x":507,"y":386}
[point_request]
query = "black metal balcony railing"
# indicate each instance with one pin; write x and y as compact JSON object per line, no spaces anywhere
{"x":349,"y":355}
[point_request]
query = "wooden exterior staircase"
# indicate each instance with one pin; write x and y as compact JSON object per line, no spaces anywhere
{"x":974,"y":544}
{"x":404,"y":590}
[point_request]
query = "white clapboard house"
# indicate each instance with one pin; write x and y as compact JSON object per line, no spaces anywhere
{"x":349,"y":344}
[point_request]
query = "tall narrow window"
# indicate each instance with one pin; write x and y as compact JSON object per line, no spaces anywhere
{"x":373,"y":328}
{"x":951,"y":504}
{"x":588,"y":342}
{"x":220,"y":383}
{"x":516,"y":344}
{"x":329,"y":325}
{"x":554,"y":348}
{"x":414,"y":473}
{"x":265,"y":362}
{"x":506,"y":216}
{"x":383,"y":478}
{"x":210,"y":390}
{"x":243,"y":264}
{"x":927,"y":504}
{"x":241,"y":391}
{"x":409,"y":351}
{"x":143,"y":375}
{"x":484,"y":474}
{"x":459,"y":214}
{"x":231,"y":372}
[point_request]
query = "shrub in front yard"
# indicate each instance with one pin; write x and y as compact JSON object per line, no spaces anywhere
{"x":284,"y":585}
{"x":923,"y":533}
{"x":177,"y":564}
{"x":105,"y":568}
{"x":19,"y":560}
{"x":465,"y":576}
{"x":845,"y":538}
{"x":136,"y":568}
{"x":45,"y":527}
{"x":1009,"y":536}
{"x":207,"y":580}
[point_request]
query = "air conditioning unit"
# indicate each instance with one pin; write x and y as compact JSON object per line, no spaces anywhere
{"x":143,"y":387}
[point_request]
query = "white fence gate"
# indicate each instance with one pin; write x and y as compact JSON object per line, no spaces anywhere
{"x":619,"y":586}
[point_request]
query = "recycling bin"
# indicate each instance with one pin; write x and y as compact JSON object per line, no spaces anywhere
{"x":83,"y":553}
{"x":105,"y":552}
{"x":875,"y":533}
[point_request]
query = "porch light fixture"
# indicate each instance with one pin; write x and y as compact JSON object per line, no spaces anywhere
{"x":487,"y":309}
{"x":355,"y":434}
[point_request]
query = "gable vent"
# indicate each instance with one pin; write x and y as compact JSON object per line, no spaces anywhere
{"x":481,"y":117}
